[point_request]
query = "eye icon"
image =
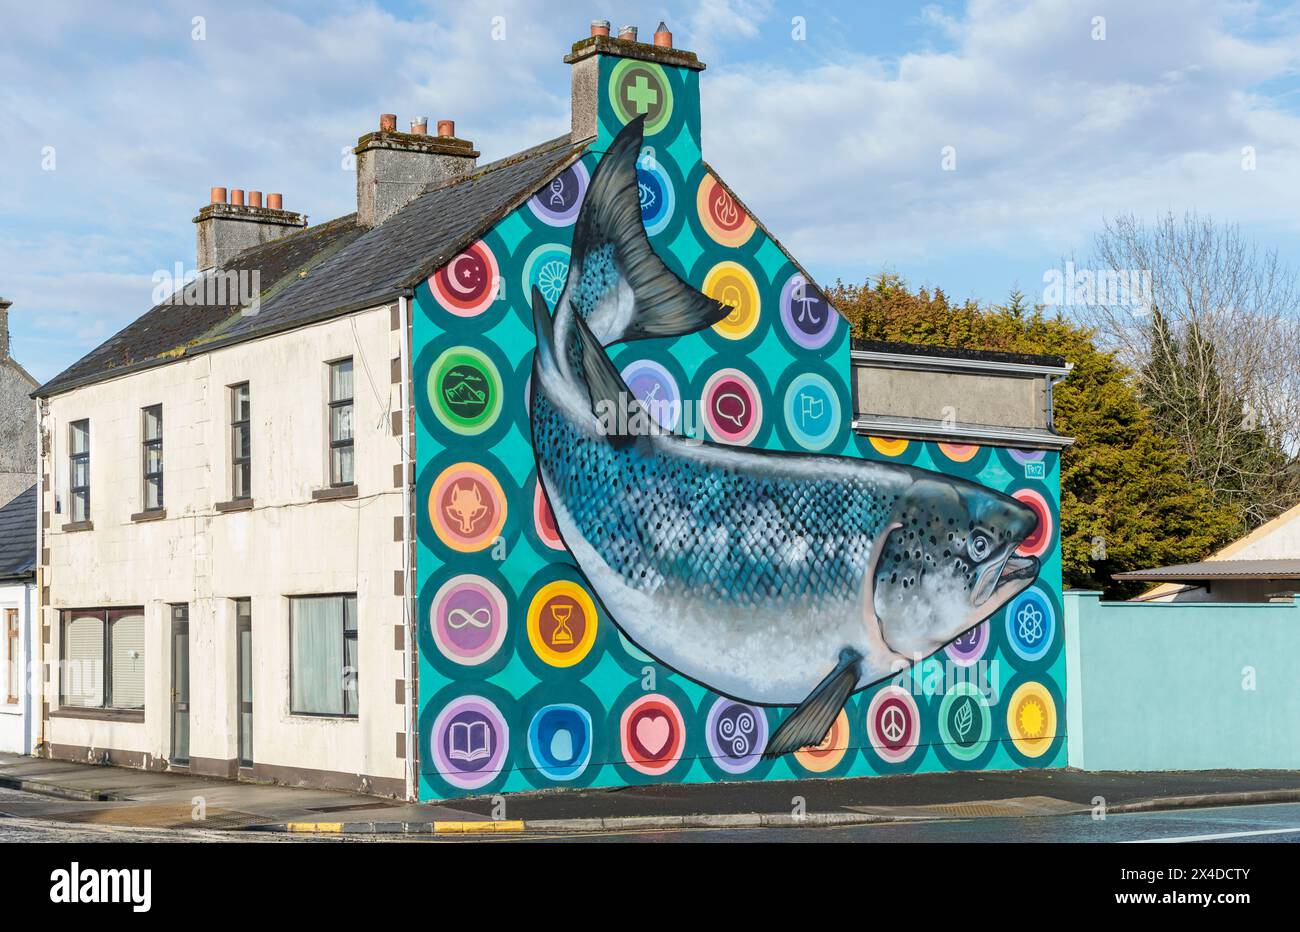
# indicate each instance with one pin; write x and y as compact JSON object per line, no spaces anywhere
{"x":978,"y":546}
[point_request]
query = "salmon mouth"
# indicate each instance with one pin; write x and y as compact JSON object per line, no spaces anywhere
{"x":1004,"y":579}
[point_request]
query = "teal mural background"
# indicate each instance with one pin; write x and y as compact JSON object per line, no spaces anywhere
{"x":496,"y":712}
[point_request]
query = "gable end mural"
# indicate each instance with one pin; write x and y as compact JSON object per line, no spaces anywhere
{"x":650,"y":546}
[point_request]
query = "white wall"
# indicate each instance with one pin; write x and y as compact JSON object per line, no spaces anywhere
{"x":287,"y":545}
{"x":16,"y":721}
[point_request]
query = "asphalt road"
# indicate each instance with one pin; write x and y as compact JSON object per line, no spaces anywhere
{"x":1233,"y":824}
{"x":1276,"y":823}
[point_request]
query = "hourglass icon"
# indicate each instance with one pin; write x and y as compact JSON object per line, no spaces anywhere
{"x":562,"y":633}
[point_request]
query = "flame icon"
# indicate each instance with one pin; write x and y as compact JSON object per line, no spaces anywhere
{"x":725,"y":210}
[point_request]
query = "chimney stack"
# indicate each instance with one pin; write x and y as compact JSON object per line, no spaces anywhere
{"x":588,"y":89}
{"x":4,"y":327}
{"x":395,"y":168}
{"x":227,"y":228}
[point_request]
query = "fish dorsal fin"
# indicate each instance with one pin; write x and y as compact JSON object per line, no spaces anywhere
{"x":619,"y":412}
{"x":616,"y":280}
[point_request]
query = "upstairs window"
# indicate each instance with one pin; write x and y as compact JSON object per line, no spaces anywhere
{"x":151,"y":432}
{"x":79,"y":470}
{"x":241,"y":447}
{"x":340,"y":418}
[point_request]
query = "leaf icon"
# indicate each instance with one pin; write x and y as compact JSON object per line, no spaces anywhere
{"x":964,"y":719}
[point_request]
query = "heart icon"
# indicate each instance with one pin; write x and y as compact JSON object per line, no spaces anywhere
{"x":652,"y":732}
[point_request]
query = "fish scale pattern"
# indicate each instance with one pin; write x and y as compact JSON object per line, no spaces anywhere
{"x":661,"y":517}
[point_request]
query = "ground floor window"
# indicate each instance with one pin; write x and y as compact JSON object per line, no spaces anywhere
{"x":323,"y":671}
{"x":103,"y":659}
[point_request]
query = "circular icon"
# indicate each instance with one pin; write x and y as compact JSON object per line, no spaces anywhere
{"x":893,"y":724}
{"x":1027,"y":456}
{"x":557,"y":204}
{"x":562,"y":623}
{"x":964,"y":721}
{"x":827,"y":753}
{"x":653,"y":734}
{"x":559,"y":741}
{"x":721,"y":215}
{"x":638,"y":88}
{"x":730,"y":283}
{"x":736,"y":734}
{"x":544,"y":520}
{"x":969,"y":646}
{"x":467,"y":507}
{"x":547,"y":269}
{"x":808,"y":317}
{"x":1031,"y":719}
{"x":658,"y":200}
{"x":465,"y":390}
{"x":733,"y":411}
{"x":1036,"y":543}
{"x":470,"y":739}
{"x":1031,"y":624}
{"x":657,"y":390}
{"x":468,"y":619}
{"x":812,"y":411}
{"x":467,"y":284}
{"x":889,"y":446}
{"x":959,"y":452}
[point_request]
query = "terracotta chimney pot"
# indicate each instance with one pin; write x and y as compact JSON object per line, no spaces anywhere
{"x":388,"y":122}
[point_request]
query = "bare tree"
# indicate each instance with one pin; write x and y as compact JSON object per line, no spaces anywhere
{"x":1211,"y":326}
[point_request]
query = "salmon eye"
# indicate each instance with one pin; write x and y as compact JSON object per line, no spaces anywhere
{"x":978,"y":546}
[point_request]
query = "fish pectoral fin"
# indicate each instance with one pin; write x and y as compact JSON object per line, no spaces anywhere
{"x":812,"y":720}
{"x":609,"y":393}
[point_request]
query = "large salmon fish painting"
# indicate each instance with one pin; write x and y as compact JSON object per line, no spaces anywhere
{"x":774,"y":578}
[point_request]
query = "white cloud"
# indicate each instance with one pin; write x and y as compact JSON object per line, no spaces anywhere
{"x":1052,"y":130}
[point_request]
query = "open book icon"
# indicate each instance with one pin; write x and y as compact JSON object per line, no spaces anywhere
{"x":470,"y":741}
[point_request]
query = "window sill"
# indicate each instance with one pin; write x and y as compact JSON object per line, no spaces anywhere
{"x":71,"y":527}
{"x":334,"y":493}
{"x":240,"y":504}
{"x":156,"y":514}
{"x":100,"y":715}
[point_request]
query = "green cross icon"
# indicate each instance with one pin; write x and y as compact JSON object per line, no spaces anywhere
{"x":642,"y":94}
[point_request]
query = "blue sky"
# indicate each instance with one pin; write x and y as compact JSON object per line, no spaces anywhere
{"x":834,"y":140}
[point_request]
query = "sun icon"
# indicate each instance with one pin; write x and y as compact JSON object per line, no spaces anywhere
{"x":1032,"y":718}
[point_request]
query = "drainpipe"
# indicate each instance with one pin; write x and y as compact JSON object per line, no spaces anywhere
{"x":1052,"y":381}
{"x":408,"y":723}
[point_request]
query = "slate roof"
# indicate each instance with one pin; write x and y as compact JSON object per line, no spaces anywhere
{"x":1209,"y":570}
{"x":331,"y":269}
{"x":18,"y":537}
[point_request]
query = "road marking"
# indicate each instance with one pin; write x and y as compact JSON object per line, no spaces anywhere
{"x":1264,"y":831}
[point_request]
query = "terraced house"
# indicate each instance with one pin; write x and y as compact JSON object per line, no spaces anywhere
{"x":301,"y":523}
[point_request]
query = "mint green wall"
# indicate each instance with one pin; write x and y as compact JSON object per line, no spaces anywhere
{"x":1181,"y":686}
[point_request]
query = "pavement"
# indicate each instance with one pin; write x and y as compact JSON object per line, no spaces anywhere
{"x":90,"y":795}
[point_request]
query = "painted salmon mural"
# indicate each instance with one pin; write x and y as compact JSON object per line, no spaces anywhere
{"x":769,"y":577}
{"x":656,"y":542}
